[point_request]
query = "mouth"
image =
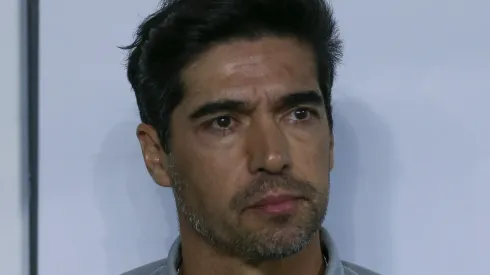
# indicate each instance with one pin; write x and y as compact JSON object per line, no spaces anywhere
{"x":277,"y":203}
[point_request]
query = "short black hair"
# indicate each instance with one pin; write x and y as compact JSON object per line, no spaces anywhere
{"x":171,"y":38}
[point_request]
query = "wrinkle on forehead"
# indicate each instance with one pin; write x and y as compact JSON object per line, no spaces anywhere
{"x":245,"y":68}
{"x":250,"y":65}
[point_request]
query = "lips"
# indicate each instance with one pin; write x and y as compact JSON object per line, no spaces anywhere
{"x":276,"y":203}
{"x":275,"y":199}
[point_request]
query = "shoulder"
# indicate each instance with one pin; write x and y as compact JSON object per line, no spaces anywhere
{"x":154,"y":268}
{"x":353,"y":269}
{"x":157,"y":268}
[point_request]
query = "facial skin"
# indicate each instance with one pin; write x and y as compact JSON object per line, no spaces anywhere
{"x":252,"y":123}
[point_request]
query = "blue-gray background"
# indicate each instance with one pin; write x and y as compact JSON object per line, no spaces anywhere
{"x":412,"y":176}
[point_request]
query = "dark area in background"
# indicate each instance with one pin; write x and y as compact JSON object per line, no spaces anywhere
{"x":32,"y":47}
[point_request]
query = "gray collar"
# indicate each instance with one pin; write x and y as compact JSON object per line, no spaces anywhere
{"x":334,"y":266}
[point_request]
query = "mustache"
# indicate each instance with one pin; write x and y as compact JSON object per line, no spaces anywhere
{"x":265,"y":183}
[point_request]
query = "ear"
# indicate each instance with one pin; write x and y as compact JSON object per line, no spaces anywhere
{"x":153,"y":154}
{"x":331,"y":152}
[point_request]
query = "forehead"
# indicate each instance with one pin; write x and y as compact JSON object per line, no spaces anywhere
{"x":243,"y":68}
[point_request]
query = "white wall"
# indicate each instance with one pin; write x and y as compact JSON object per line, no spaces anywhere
{"x":412,"y":178}
{"x":14,"y":246}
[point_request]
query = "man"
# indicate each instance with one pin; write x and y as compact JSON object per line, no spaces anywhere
{"x":235,"y":102}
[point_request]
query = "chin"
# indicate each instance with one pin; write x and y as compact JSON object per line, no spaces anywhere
{"x":280,"y":244}
{"x":287,"y":234}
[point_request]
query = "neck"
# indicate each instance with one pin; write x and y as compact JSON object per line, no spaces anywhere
{"x":199,"y":258}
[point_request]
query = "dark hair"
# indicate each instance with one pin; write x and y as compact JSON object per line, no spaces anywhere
{"x":169,"y":39}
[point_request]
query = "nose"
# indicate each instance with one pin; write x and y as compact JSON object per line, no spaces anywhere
{"x":268,"y":149}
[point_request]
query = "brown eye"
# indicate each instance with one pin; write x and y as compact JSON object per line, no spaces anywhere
{"x":301,"y":114}
{"x":223,"y":122}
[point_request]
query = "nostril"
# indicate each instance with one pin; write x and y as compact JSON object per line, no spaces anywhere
{"x":273,"y":169}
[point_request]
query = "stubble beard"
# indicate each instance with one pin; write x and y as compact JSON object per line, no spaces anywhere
{"x":251,"y":246}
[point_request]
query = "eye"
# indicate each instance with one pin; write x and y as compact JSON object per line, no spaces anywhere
{"x":222,"y":122}
{"x":223,"y":125}
{"x":300,"y":114}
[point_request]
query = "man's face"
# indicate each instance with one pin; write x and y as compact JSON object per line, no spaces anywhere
{"x":251,"y":148}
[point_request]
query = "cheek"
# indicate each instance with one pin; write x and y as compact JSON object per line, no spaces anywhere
{"x":214,"y":176}
{"x":311,"y":157}
{"x":211,"y":172}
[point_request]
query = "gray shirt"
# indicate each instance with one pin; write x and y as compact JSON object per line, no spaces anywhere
{"x":335,"y":266}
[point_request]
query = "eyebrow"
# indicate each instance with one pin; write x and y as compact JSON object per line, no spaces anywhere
{"x":238,"y":106}
{"x":220,"y":106}
{"x":301,"y":98}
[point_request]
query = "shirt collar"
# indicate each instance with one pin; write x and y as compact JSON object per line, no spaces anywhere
{"x":334,"y":267}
